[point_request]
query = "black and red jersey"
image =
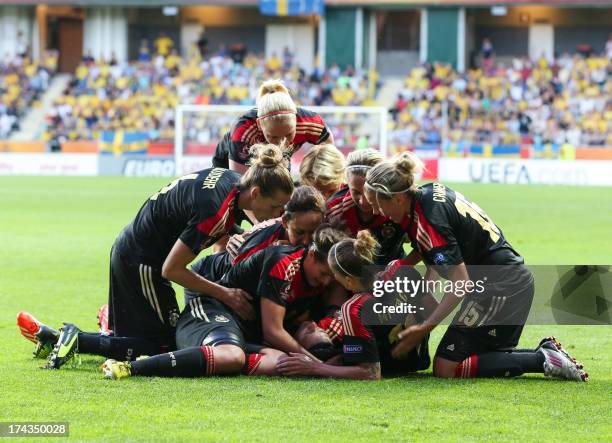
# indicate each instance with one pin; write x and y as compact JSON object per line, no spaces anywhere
{"x":239,"y":247}
{"x":260,"y":236}
{"x":198,"y":208}
{"x":235,"y":144}
{"x":448,"y":229}
{"x":342,"y":208}
{"x":275,"y":273}
{"x":362,"y":343}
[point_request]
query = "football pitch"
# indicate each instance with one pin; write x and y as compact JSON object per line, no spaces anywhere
{"x":55,"y":238}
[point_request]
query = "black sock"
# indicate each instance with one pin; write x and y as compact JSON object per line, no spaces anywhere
{"x":190,"y":362}
{"x":119,"y":348}
{"x":509,"y":364}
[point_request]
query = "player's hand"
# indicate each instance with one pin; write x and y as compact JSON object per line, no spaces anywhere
{"x":281,"y":242}
{"x":409,"y":338}
{"x":295,"y":364}
{"x":240,"y":302}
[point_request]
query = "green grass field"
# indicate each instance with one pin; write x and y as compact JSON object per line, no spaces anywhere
{"x":55,"y":237}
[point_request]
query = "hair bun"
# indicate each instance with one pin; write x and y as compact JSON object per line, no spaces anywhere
{"x":365,"y":245}
{"x":272,"y":86}
{"x":407,"y":163}
{"x":266,"y":155}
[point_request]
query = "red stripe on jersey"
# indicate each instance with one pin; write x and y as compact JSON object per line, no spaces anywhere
{"x":264,"y":244}
{"x":289,"y":269}
{"x":393,"y":267}
{"x":426,"y":235}
{"x":333,"y":328}
{"x":310,"y":119}
{"x":351,"y":318}
{"x":309,"y":128}
{"x":220,"y":223}
{"x":285,"y":268}
{"x":240,"y":132}
{"x":342,"y":207}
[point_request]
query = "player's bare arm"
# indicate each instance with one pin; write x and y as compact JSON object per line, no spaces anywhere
{"x":175,"y":269}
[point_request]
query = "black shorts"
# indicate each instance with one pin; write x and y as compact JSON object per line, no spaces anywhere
{"x":206,"y":321}
{"x":141,"y":302}
{"x":494,"y":323}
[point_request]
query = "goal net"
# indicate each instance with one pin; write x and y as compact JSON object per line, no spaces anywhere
{"x":200,"y":127}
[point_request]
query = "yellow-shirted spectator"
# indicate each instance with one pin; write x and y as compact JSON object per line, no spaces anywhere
{"x":163,"y":44}
{"x":274,"y":63}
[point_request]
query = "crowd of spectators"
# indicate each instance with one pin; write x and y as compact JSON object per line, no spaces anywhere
{"x":22,"y":83}
{"x":142,"y":95}
{"x":566,"y":100}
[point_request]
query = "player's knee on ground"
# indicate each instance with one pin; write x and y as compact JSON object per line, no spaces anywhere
{"x":229,"y":359}
{"x":444,"y":368}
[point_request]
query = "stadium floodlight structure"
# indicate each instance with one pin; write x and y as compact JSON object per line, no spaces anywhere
{"x":198,"y":128}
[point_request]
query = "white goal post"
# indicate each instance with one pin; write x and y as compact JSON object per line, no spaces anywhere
{"x":372,"y":124}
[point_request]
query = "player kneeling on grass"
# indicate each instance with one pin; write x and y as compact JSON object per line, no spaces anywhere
{"x":213,"y":340}
{"x":169,"y":231}
{"x":460,"y":243}
{"x":302,"y":216}
{"x":365,"y":348}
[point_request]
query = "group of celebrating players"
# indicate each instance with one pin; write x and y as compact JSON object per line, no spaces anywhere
{"x":292,"y":296}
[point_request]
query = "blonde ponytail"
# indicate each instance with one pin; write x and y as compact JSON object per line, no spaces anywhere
{"x":355,"y":257}
{"x":365,"y":246}
{"x":396,"y":175}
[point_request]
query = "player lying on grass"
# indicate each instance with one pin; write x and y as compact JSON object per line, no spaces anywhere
{"x":323,"y":168}
{"x":349,"y":207}
{"x":365,"y":347}
{"x":169,"y":231}
{"x":276,"y":119}
{"x":285,"y":281}
{"x":453,"y":236}
{"x":302,"y":216}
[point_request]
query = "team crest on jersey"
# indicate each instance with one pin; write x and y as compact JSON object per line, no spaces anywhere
{"x":388,"y":230}
{"x":285,"y":291}
{"x":221,"y":318}
{"x":243,"y":153}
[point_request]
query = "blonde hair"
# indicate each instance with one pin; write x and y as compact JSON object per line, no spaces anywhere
{"x":354,"y":256}
{"x":395,"y":176}
{"x":324,"y":165}
{"x":274,"y":102}
{"x":359,"y":162}
{"x":268,"y":170}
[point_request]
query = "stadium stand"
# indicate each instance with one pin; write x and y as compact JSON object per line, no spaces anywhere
{"x":22,"y":82}
{"x":568,"y":100}
{"x":141,"y":96}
